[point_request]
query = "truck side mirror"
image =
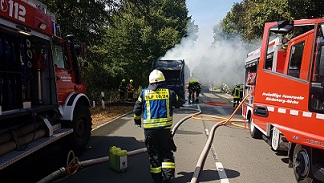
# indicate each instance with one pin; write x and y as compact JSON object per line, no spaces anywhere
{"x":84,"y":65}
{"x":283,"y":27}
{"x":321,"y":65}
{"x":79,"y":49}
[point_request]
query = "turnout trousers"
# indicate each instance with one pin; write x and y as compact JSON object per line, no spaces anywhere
{"x":159,"y":144}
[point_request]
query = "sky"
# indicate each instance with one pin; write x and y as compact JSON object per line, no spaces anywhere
{"x":210,"y":61}
{"x":207,"y":13}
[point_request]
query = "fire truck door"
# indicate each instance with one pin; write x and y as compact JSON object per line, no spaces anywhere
{"x":63,"y":73}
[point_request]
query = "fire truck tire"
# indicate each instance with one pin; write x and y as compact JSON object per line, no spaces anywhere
{"x":302,"y":164}
{"x":81,"y":125}
{"x":254,"y":132}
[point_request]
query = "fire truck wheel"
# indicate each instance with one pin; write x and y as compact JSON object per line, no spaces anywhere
{"x":81,"y":125}
{"x":254,"y":132}
{"x":302,"y":164}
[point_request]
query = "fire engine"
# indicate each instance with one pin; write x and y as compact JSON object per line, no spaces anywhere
{"x":284,"y":79}
{"x":42,"y":96}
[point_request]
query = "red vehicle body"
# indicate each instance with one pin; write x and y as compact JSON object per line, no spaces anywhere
{"x":284,"y":79}
{"x":42,"y":97}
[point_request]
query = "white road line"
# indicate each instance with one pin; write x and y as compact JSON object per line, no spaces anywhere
{"x":219,"y":166}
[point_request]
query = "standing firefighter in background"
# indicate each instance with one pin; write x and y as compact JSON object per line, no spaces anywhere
{"x":197,"y":86}
{"x":191,"y":90}
{"x":122,"y":90}
{"x":156,"y":103}
{"x":236,"y":94}
{"x":130,"y":90}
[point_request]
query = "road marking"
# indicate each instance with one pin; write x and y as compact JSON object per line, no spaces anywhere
{"x":219,"y":166}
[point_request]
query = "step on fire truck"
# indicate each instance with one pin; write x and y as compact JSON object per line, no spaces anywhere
{"x":284,"y":79}
{"x":42,"y":97}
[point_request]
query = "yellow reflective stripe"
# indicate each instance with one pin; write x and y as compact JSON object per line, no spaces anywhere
{"x":146,"y":126}
{"x":168,"y":165}
{"x":158,"y":120}
{"x":137,"y":117}
{"x":148,"y":109}
{"x":155,"y":170}
{"x":140,"y":99}
{"x":155,"y":124}
{"x":168,"y":106}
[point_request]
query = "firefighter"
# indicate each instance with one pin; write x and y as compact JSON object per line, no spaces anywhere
{"x":197,"y":90}
{"x":241,"y":93}
{"x":122,"y":90}
{"x":156,"y":103}
{"x":236,"y":94}
{"x":130,"y":90}
{"x":191,"y":90}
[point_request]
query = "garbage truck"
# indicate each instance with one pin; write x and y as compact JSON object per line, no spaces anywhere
{"x":42,"y":96}
{"x":173,"y":71}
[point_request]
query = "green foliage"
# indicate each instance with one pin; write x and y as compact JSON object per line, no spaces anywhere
{"x":86,"y":19}
{"x":143,"y":31}
{"x":123,"y":37}
{"x":248,"y":17}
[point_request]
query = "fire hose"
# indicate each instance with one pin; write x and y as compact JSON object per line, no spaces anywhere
{"x":203,"y":154}
{"x":74,"y":165}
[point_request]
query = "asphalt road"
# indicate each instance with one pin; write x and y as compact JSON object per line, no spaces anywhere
{"x":234,"y":155}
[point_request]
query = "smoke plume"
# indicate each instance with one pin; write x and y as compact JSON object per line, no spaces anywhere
{"x":215,"y":60}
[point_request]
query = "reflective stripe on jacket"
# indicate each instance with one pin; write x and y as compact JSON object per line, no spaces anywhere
{"x":236,"y":93}
{"x":157,"y":108}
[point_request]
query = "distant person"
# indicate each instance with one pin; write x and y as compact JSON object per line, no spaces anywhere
{"x":155,"y":102}
{"x":241,"y":94}
{"x":130,"y":90}
{"x":236,"y":95}
{"x":191,"y":90}
{"x":197,"y":86}
{"x":122,"y":90}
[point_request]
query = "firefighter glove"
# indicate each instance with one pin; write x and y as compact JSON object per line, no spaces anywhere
{"x":138,"y":122}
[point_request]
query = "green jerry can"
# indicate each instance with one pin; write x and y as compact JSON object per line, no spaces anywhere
{"x":117,"y":159}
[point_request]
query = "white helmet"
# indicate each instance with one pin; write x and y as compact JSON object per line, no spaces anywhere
{"x":156,"y":76}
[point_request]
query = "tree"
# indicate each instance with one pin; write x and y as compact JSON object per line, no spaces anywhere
{"x":248,"y":17}
{"x":123,"y":37}
{"x":86,"y":19}
{"x":143,"y":31}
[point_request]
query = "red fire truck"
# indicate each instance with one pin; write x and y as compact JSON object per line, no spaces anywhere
{"x":42,"y":97}
{"x":284,"y":81}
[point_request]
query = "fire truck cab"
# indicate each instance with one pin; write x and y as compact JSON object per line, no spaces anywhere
{"x":284,"y":81}
{"x":42,"y":97}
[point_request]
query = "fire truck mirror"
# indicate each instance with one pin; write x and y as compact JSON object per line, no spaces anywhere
{"x":322,"y":28}
{"x":84,"y":64}
{"x":283,"y":27}
{"x":321,"y":69}
{"x":78,"y":49}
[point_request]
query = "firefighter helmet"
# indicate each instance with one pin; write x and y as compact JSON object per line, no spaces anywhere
{"x":130,"y":80}
{"x":123,"y":80}
{"x":156,"y":76}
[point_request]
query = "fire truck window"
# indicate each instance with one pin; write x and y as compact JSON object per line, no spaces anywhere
{"x":269,"y":61}
{"x":59,"y":55}
{"x":296,"y":59}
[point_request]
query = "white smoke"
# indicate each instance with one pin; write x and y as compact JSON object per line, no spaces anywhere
{"x":212,"y":59}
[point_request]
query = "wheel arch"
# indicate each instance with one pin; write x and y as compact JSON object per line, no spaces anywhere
{"x":72,"y":101}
